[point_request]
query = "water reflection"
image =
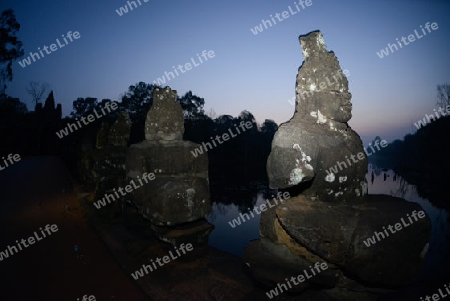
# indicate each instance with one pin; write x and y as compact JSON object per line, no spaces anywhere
{"x":229,"y":202}
{"x":439,"y":248}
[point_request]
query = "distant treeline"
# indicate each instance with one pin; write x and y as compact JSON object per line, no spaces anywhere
{"x":241,"y":159}
{"x":422,"y":159}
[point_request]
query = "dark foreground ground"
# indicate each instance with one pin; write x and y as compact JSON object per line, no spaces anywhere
{"x":34,"y":193}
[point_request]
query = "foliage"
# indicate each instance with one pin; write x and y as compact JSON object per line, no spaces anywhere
{"x":37,"y":90}
{"x":138,"y":100}
{"x":10,"y":107}
{"x":192,"y":105}
{"x":83,"y":107}
{"x":421,"y":159}
{"x":269,"y":126}
{"x":10,"y":46}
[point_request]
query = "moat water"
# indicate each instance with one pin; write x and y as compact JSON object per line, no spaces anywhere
{"x":238,"y":199}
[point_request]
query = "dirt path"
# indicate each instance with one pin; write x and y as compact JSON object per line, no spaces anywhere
{"x":33,"y":193}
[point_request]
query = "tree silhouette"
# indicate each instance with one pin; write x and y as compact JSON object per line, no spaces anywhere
{"x":11,"y":107}
{"x":10,"y":46}
{"x":83,"y":107}
{"x":443,"y":95}
{"x":192,"y":105}
{"x":138,"y":100}
{"x":37,"y":90}
{"x":269,"y":127}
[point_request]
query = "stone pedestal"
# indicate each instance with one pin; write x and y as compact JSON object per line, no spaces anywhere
{"x":180,"y":191}
{"x":179,"y":194}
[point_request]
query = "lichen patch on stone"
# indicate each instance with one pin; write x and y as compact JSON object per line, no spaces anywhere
{"x":296,"y":176}
{"x":321,"y":118}
{"x":330,"y":177}
{"x":305,"y":158}
{"x":320,"y":41}
{"x":364,"y":188}
{"x":342,"y":179}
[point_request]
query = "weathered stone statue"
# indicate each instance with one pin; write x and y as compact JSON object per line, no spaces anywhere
{"x":318,"y":137}
{"x":119,"y":134}
{"x":165,"y":119}
{"x":102,"y":136}
{"x":104,"y":166}
{"x":180,"y":193}
{"x":330,"y":217}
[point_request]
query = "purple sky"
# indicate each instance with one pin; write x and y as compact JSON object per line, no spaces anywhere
{"x":248,"y":72}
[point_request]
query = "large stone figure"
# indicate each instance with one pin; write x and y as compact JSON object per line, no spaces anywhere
{"x":179,"y":194}
{"x":330,"y":218}
{"x":318,"y":136}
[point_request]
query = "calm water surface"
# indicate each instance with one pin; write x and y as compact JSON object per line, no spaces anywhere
{"x":234,"y":240}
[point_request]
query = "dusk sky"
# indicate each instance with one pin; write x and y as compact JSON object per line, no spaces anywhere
{"x":248,"y":72}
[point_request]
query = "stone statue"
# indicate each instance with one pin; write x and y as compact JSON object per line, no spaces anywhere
{"x":165,"y":119}
{"x":330,"y":218}
{"x":318,"y":137}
